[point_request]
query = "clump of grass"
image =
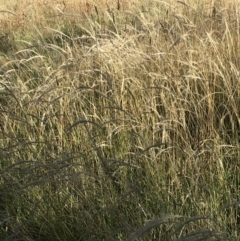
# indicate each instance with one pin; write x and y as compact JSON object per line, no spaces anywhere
{"x":118,"y":115}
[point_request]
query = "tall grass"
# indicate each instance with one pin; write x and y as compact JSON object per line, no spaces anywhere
{"x":120,"y":121}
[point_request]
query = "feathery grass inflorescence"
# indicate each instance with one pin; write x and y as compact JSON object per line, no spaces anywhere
{"x":119,"y":120}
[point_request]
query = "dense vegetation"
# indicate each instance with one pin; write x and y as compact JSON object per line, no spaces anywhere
{"x":120,"y":120}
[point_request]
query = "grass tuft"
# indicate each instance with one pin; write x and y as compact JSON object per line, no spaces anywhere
{"x":119,"y":120}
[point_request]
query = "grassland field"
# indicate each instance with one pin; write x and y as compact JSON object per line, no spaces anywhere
{"x":119,"y":120}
